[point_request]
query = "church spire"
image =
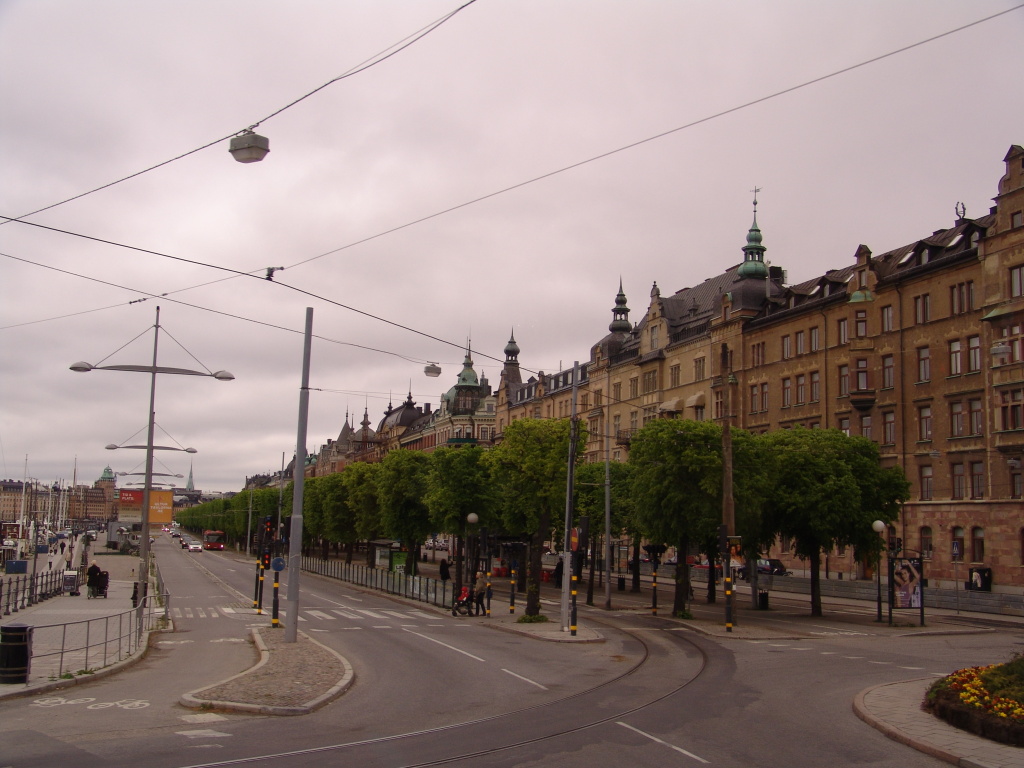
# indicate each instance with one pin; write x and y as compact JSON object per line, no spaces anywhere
{"x":620,"y":315}
{"x":753,"y":252}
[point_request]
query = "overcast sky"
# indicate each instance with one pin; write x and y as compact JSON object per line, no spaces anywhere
{"x":504,"y":92}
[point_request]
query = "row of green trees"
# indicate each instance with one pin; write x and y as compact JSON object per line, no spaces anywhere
{"x":820,"y":488}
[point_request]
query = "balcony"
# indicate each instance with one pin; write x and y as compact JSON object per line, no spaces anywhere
{"x":624,"y":436}
{"x":863,"y":399}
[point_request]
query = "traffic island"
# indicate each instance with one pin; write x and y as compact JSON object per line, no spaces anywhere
{"x":289,"y":679}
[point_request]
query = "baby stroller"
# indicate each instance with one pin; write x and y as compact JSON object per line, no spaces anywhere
{"x":464,"y":604}
{"x":102,"y":582}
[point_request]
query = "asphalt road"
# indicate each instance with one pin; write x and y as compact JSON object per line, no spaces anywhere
{"x":432,"y":690}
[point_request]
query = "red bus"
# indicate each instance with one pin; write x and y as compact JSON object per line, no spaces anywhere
{"x":213,"y":539}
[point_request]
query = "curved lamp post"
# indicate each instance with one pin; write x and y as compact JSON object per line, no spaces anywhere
{"x":152,"y":370}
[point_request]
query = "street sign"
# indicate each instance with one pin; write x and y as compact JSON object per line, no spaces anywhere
{"x":956,"y":550}
{"x":574,"y":539}
{"x":277,"y":564}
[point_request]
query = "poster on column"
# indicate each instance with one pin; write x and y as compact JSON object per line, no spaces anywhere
{"x":906,"y":579}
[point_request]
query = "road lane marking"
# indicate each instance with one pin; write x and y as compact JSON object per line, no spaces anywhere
{"x":665,"y":743}
{"x":450,"y":647}
{"x":525,"y":679}
{"x":321,"y":615}
{"x":371,"y":614}
{"x":346,"y":614}
{"x":205,"y":733}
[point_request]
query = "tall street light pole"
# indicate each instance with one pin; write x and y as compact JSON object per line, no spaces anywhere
{"x":152,"y":370}
{"x":728,"y":502}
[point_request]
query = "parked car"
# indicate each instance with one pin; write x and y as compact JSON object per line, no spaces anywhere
{"x":769,"y":566}
{"x":195,"y":546}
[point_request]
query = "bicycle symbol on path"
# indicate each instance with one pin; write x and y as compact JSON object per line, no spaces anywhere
{"x":56,"y":701}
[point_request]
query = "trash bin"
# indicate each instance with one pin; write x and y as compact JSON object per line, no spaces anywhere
{"x":15,"y":653}
{"x":70,"y":582}
{"x":762,"y":599}
{"x":622,"y":583}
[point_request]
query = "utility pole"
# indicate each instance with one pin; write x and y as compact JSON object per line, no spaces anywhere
{"x":728,"y":503}
{"x":570,"y":475}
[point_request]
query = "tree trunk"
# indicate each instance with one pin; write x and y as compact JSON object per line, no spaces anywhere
{"x":537,"y":563}
{"x":593,"y":565}
{"x":682,"y":578}
{"x":815,"y":583}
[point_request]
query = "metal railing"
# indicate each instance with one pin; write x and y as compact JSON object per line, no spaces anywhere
{"x":21,"y":591}
{"x":77,"y":648}
{"x":421,"y":588}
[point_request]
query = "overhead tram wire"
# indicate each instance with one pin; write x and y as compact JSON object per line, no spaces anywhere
{"x":519,"y":185}
{"x":557,"y":171}
{"x":366,"y":64}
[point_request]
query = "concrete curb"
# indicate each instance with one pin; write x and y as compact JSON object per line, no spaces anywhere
{"x":194,"y":700}
{"x":861,"y":710}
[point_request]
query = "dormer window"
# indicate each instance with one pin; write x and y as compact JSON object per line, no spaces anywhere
{"x":975,"y":237}
{"x":654,"y":337}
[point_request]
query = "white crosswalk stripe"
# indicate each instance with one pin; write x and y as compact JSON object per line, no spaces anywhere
{"x":321,"y":615}
{"x":352,"y":615}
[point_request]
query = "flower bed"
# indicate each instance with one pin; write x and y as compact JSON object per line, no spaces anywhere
{"x":987,"y":701}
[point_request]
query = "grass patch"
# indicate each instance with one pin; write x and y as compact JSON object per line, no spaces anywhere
{"x":527,"y":619}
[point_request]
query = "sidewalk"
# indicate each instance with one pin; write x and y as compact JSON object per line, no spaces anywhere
{"x":59,"y":655}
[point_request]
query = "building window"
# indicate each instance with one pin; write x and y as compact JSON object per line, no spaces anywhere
{"x":815,"y":342}
{"x":719,"y":404}
{"x":698,"y":369}
{"x":650,"y":413}
{"x":633,"y":420}
{"x":959,"y":481}
{"x":1016,"y":482}
{"x":1017,"y":280}
{"x":973,"y":354}
{"x":865,"y":426}
{"x":961,"y":297}
{"x":844,"y":426}
{"x":787,"y":392}
{"x":887,"y":319}
{"x":787,"y":347}
{"x":976,"y":420}
{"x":654,"y":337}
{"x":1011,"y":409}
{"x":922,"y":309}
{"x":977,"y":479}
{"x":801,"y":389}
{"x":957,"y":426}
{"x":860,"y":323}
{"x":815,"y":386}
{"x":889,"y":428}
{"x":757,"y":354}
{"x":764,"y":396}
{"x":844,"y":380}
{"x":955,"y":359}
{"x":617,"y":391}
{"x":924,"y":422}
{"x":650,"y":381}
{"x":1017,"y":219}
{"x":925,"y":481}
{"x":673,"y":376}
{"x":1011,"y":335}
{"x":977,"y":544}
{"x":801,"y":342}
{"x":926,"y":542}
{"x":755,"y":400}
{"x":598,"y":398}
{"x":698,"y":413}
{"x":862,"y":374}
{"x":888,"y":372}
{"x":957,"y":541}
{"x":634,"y":383}
{"x":842,"y":331}
{"x":924,"y":364}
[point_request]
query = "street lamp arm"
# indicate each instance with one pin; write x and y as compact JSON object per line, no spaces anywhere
{"x":83,"y":367}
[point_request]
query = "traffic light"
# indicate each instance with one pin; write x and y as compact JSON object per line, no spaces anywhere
{"x":268,"y":526}
{"x":266,"y":560}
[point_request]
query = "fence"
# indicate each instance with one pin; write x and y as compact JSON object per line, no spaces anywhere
{"x":421,"y":588}
{"x":65,"y":651}
{"x":17,"y":592}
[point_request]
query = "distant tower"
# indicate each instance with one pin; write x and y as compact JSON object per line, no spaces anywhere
{"x":620,"y":315}
{"x":753,"y":252}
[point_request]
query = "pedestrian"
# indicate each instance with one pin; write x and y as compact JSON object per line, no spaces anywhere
{"x":480,"y":592}
{"x":445,"y":570}
{"x":92,"y":579}
{"x":558,"y":573}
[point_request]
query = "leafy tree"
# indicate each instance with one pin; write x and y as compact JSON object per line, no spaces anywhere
{"x":590,"y":501}
{"x":677,"y":488}
{"x":827,"y":489}
{"x":401,"y":490}
{"x":459,"y":483}
{"x":339,"y":521}
{"x":360,"y":483}
{"x":529,"y":469}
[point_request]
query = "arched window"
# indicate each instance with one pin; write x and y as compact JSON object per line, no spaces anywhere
{"x":958,"y":544}
{"x":977,"y":545}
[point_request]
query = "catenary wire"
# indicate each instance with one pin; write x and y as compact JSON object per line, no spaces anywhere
{"x":776,"y":94}
{"x":384,"y":55}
